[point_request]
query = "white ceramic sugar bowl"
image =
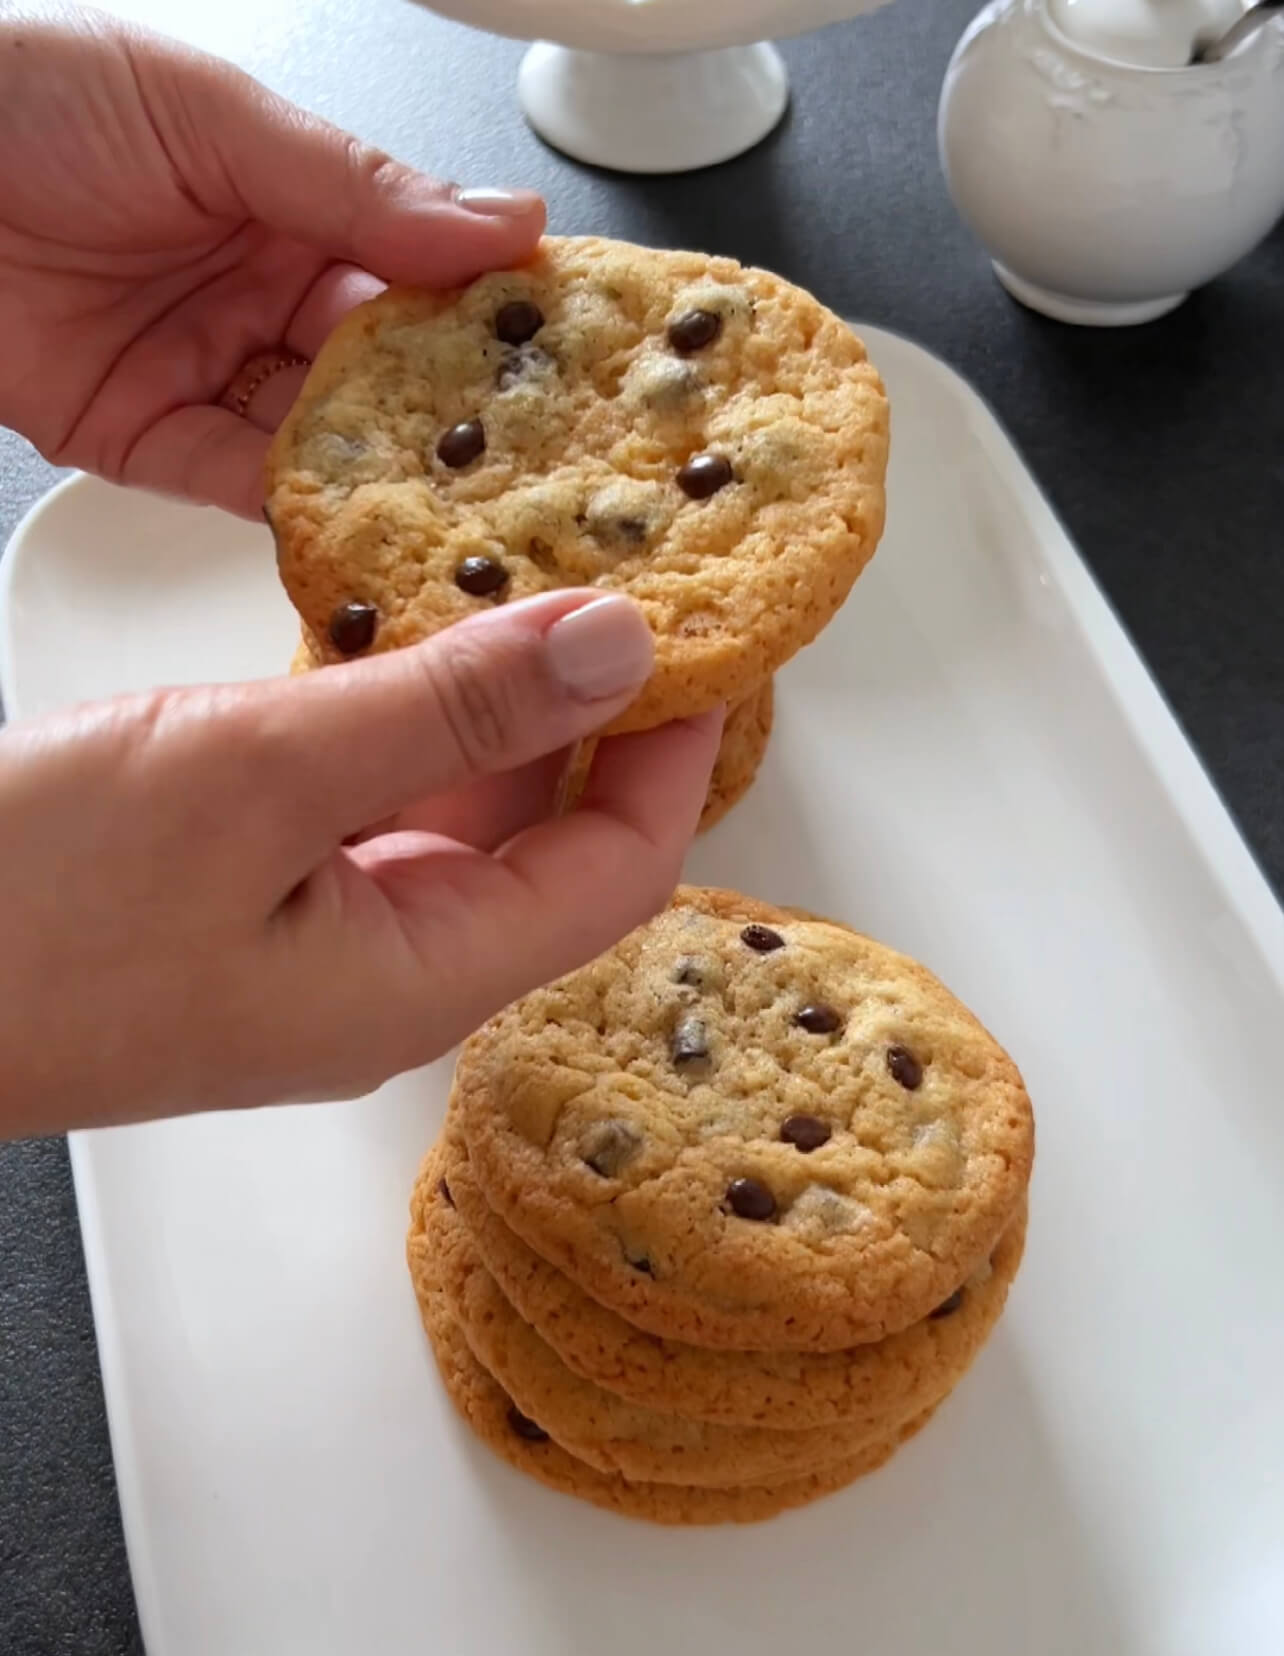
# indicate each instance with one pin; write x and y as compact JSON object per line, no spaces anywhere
{"x":1105,"y":175}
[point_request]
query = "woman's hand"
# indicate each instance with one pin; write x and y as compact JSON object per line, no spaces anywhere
{"x":163,"y":218}
{"x":196,"y":915}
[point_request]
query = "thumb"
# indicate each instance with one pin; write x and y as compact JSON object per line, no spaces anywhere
{"x":348,"y":746}
{"x":244,"y":151}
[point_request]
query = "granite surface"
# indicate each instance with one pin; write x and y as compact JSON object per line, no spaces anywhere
{"x":1160,"y":447}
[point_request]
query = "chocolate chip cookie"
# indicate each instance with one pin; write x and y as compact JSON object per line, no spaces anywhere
{"x":869,"y":1387}
{"x":596,"y":1425}
{"x":703,"y":436}
{"x":524,"y":1444}
{"x":750,"y":1129}
{"x":740,"y":753}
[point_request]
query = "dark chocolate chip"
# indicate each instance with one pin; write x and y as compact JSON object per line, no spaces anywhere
{"x":631,"y":529}
{"x":352,"y":627}
{"x":806,"y":1133}
{"x":443,"y":1190}
{"x":643,"y":1265}
{"x":694,"y":330}
{"x":750,"y":1199}
{"x":690,"y":1042}
{"x":525,"y":1427}
{"x":762,"y":939}
{"x":609,"y":1145}
{"x":461,"y":445}
{"x":818,"y":1020}
{"x":703,"y":475}
{"x":481,"y":577}
{"x":689,"y":972}
{"x":904,"y":1067}
{"x":948,"y":1307}
{"x":518,"y":321}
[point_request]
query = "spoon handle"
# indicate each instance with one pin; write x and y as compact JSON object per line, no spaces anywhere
{"x":1214,"y":50}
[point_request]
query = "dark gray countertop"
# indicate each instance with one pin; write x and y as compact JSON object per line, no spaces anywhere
{"x":1162,"y":448}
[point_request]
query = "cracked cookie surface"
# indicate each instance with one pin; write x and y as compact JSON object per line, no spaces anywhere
{"x":703,"y":436}
{"x":749,"y":1129}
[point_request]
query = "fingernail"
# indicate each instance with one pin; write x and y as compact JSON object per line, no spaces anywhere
{"x":498,"y":203}
{"x":601,"y":650}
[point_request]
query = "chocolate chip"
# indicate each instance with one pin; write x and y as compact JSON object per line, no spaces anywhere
{"x":643,"y":1265}
{"x":806,"y":1133}
{"x":690,"y":1042}
{"x":818,"y":1020}
{"x":481,"y":577}
{"x":703,"y":475}
{"x":905,"y":1068}
{"x":525,"y":1427}
{"x":352,"y":627}
{"x":750,"y":1199}
{"x":518,"y":321}
{"x":608,"y":1145}
{"x":694,"y":330}
{"x":689,"y":972}
{"x":443,"y":1190}
{"x":948,"y":1307}
{"x":461,"y":445}
{"x":762,"y":939}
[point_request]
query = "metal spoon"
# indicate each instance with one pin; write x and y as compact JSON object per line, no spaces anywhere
{"x":1212,"y":48}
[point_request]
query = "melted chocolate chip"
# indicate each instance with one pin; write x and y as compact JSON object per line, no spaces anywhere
{"x":750,"y":1199}
{"x":525,"y":1427}
{"x":694,"y":330}
{"x":688,"y":972}
{"x":818,"y":1020}
{"x":762,"y":939}
{"x":948,"y":1307}
{"x":481,"y":577}
{"x":703,"y":475}
{"x":352,"y":627}
{"x":518,"y":321}
{"x":461,"y":445}
{"x":904,"y":1067}
{"x":443,"y":1190}
{"x":806,"y":1133}
{"x":690,"y":1042}
{"x":609,"y":1145}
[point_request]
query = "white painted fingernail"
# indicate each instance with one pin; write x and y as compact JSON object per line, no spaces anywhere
{"x":498,"y":203}
{"x":601,"y":650}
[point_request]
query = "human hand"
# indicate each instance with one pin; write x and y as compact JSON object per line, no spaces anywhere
{"x":163,"y":219}
{"x":197,"y":917}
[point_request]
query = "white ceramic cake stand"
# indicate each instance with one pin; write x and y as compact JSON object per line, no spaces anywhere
{"x":651,"y":86}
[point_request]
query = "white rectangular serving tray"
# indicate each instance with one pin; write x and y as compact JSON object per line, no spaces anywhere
{"x":971,"y":764}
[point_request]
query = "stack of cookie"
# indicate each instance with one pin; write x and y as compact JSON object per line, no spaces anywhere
{"x":717,"y":1222}
{"x":705,"y":437}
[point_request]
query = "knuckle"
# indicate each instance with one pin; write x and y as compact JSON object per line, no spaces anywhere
{"x":477,"y":701}
{"x":371,"y":169}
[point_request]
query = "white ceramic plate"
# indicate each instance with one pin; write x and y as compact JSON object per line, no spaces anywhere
{"x":971,"y":764}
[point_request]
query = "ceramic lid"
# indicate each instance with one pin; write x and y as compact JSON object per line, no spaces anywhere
{"x":1151,"y":34}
